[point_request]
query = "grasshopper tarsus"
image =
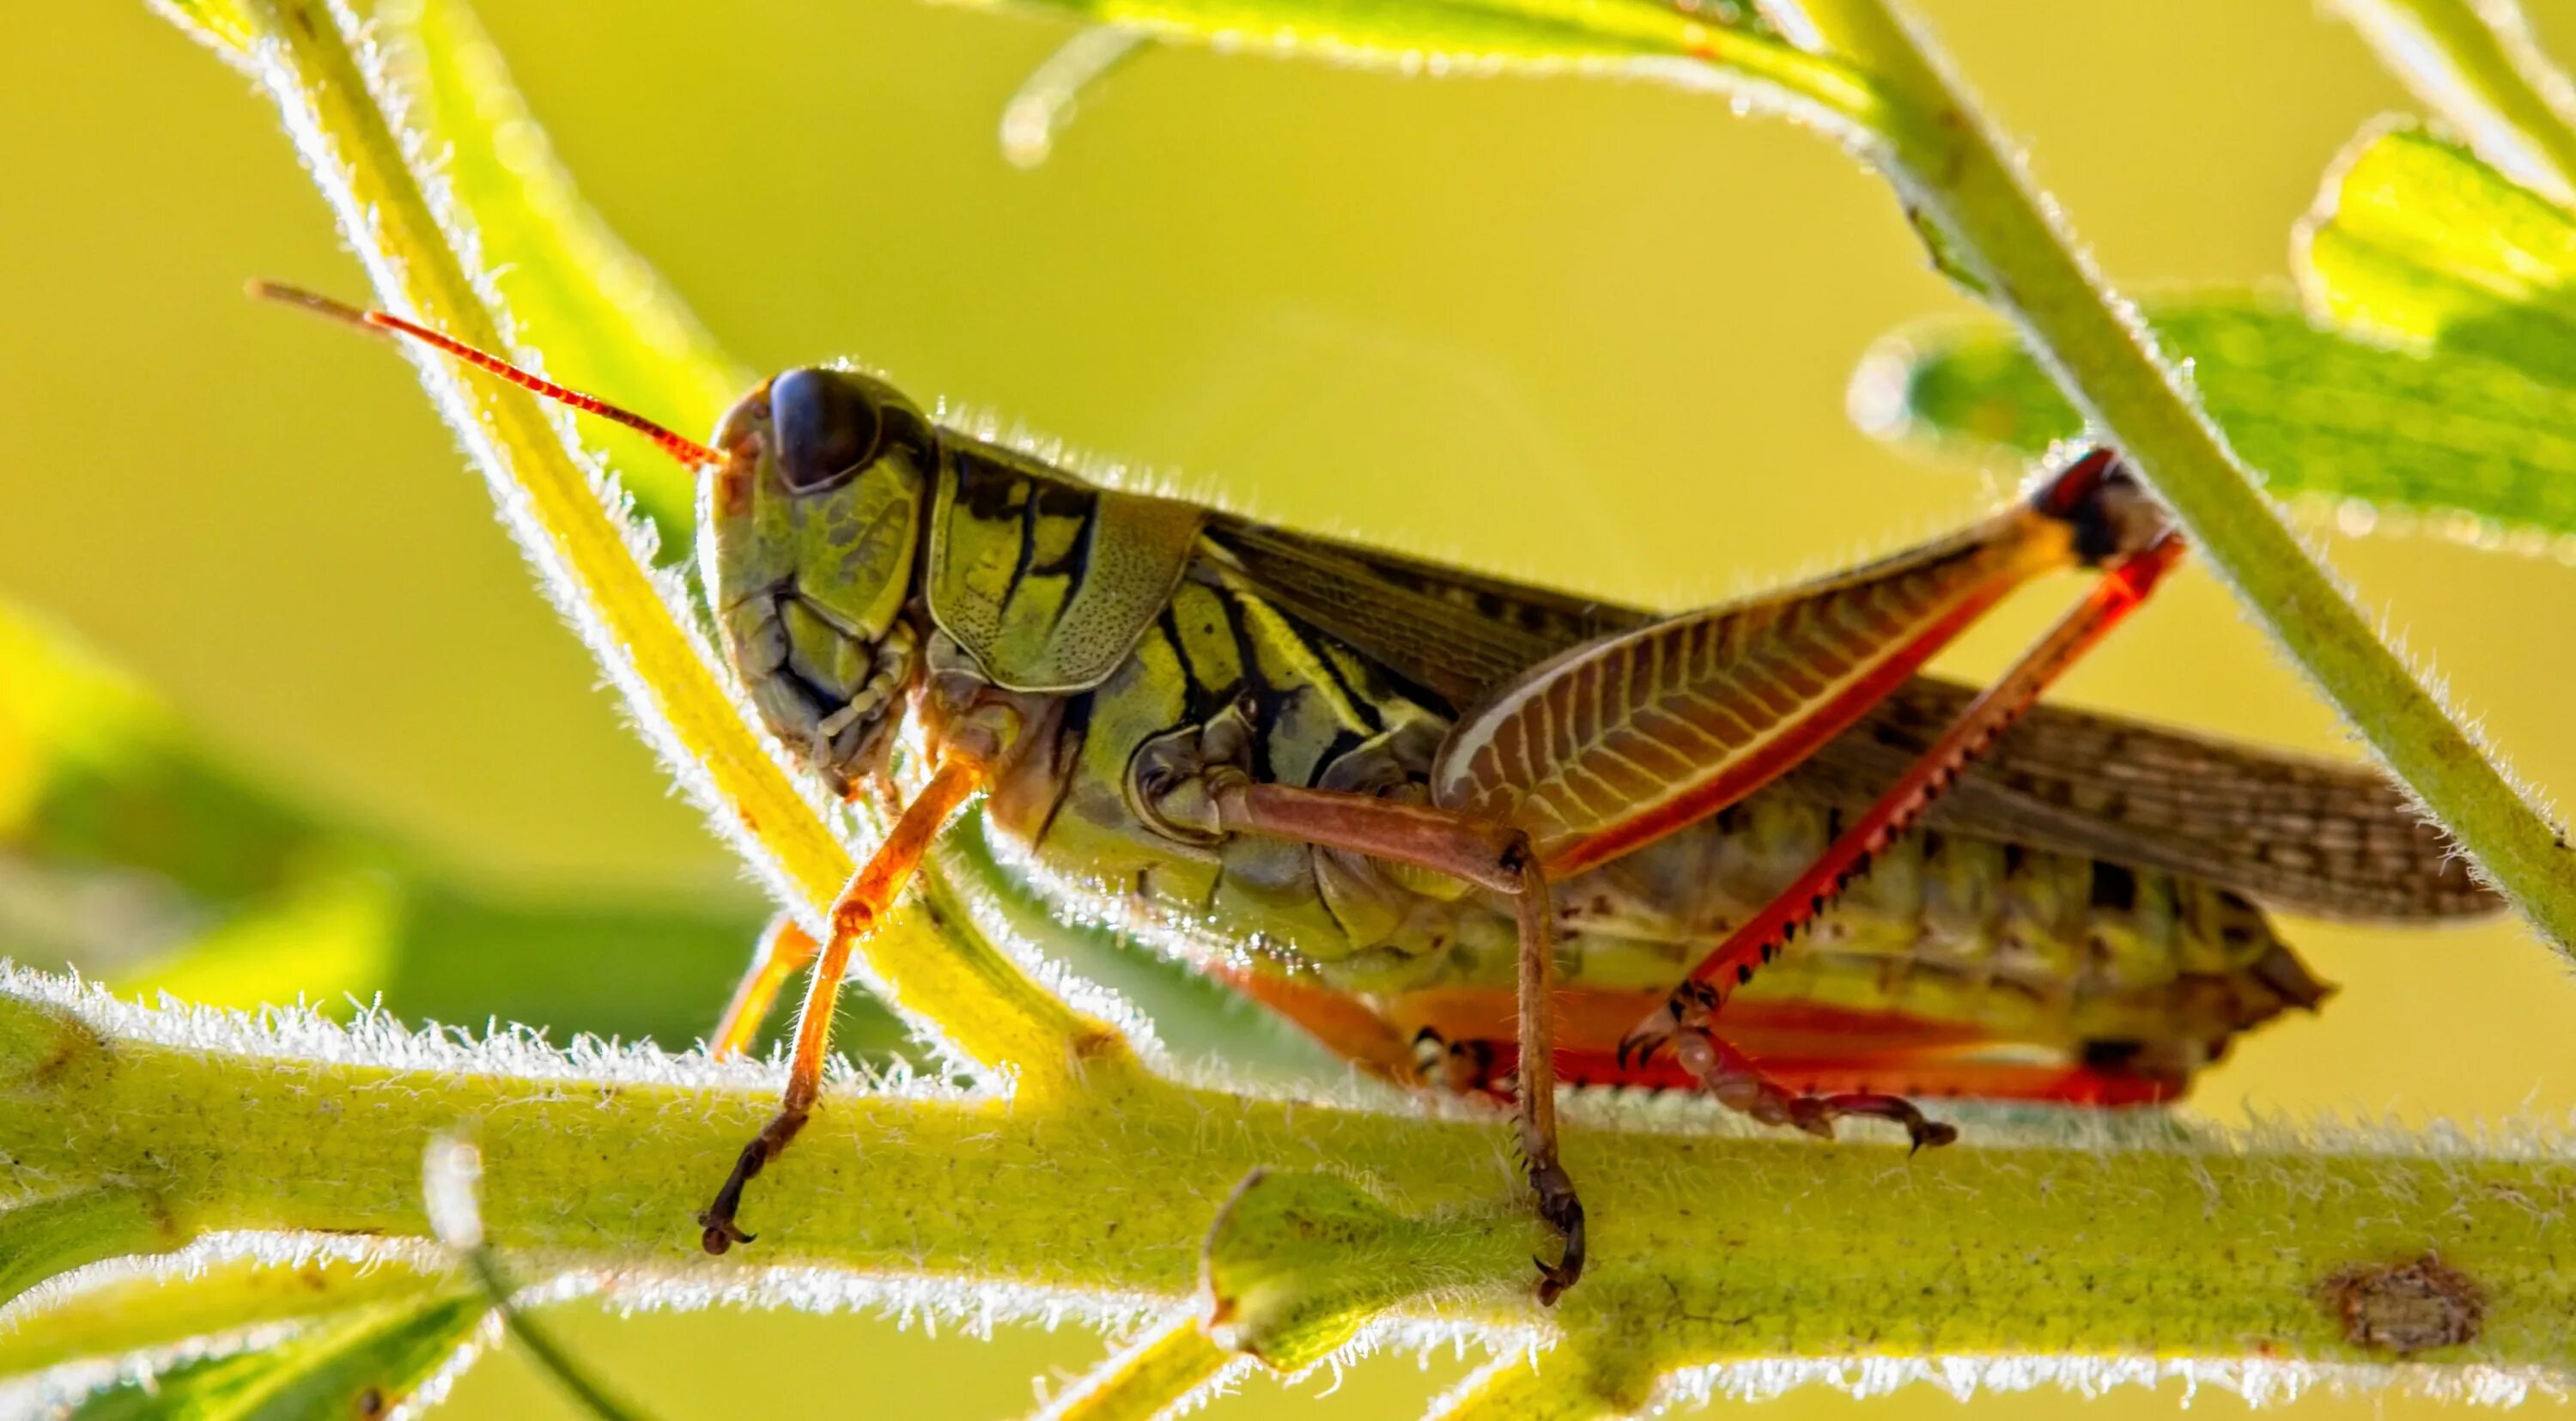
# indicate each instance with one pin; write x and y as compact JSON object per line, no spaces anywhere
{"x":1562,"y":1211}
{"x":719,"y":1230}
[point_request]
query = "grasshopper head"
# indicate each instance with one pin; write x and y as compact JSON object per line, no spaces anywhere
{"x":809,"y":529}
{"x":809,"y":521}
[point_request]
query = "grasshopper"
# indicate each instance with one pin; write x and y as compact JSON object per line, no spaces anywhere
{"x":1490,"y":837}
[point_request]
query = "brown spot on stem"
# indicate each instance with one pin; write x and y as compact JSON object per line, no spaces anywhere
{"x":1092,"y":1044}
{"x":2405,"y":1308}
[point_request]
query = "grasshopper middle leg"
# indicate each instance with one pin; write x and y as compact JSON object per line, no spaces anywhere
{"x":784,"y":950}
{"x":1492,"y":856}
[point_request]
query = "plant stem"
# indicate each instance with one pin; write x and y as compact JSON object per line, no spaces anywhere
{"x":1510,"y":1388}
{"x":2084,"y":1240}
{"x":538,"y":1340}
{"x":1948,"y":165}
{"x":1147,"y":1377}
{"x":1609,"y":36}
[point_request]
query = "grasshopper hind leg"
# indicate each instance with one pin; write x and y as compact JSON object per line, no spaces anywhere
{"x":1685,"y":1020}
{"x":1732,"y":1079}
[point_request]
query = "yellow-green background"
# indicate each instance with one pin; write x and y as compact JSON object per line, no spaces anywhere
{"x":1596,"y":334}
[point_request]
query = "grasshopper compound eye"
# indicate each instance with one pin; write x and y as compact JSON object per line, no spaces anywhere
{"x":825,"y":427}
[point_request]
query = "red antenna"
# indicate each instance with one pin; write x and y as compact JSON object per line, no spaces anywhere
{"x":688,"y":451}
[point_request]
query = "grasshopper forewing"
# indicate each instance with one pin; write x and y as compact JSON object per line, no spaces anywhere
{"x":1476,"y":832}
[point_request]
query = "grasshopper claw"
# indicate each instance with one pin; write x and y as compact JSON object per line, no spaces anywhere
{"x":721,"y":1234}
{"x":1563,"y":1212}
{"x":1642,"y":1050}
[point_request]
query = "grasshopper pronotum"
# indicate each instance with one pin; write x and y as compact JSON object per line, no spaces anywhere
{"x":1490,"y":836}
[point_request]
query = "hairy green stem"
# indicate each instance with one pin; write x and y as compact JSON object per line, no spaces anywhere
{"x":1511,"y":1388}
{"x":2076,"y":1239}
{"x":1950,"y":167}
{"x":1607,"y":35}
{"x":2475,"y":63}
{"x":1147,"y":1377}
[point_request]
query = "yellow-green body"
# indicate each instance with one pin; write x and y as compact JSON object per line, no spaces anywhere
{"x":1115,"y":652}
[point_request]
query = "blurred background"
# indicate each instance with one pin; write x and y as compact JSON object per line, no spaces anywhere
{"x":1593,"y":334}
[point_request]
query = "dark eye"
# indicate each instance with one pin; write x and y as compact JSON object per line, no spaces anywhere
{"x":825,"y":426}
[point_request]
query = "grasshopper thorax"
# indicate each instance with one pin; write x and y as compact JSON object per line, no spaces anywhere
{"x":810,"y":536}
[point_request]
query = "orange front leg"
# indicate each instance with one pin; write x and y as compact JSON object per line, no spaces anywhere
{"x":855,"y":914}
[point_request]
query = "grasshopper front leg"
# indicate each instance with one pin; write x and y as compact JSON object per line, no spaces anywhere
{"x":1492,"y":856}
{"x":861,"y":906}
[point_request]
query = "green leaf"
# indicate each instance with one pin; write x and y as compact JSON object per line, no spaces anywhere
{"x":45,"y":1237}
{"x":2475,"y":64}
{"x":151,"y":1311}
{"x":2449,"y":434}
{"x":235,"y":895}
{"x":2416,"y":240}
{"x":602,"y":319}
{"x":94,"y":772}
{"x":356,"y":1367}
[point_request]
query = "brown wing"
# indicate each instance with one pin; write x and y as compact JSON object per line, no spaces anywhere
{"x":1453,"y":633}
{"x":2302,"y":835}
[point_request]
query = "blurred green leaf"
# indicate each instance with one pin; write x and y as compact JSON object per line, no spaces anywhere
{"x":355,"y":1367}
{"x":131,"y":851}
{"x":321,"y":940}
{"x":2320,"y":413}
{"x":94,"y":771}
{"x":2418,"y":241}
{"x":597,"y":314}
{"x":2476,"y":65}
{"x":1724,"y":45}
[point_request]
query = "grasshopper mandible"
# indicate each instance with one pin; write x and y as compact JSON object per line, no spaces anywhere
{"x":1492,"y":837}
